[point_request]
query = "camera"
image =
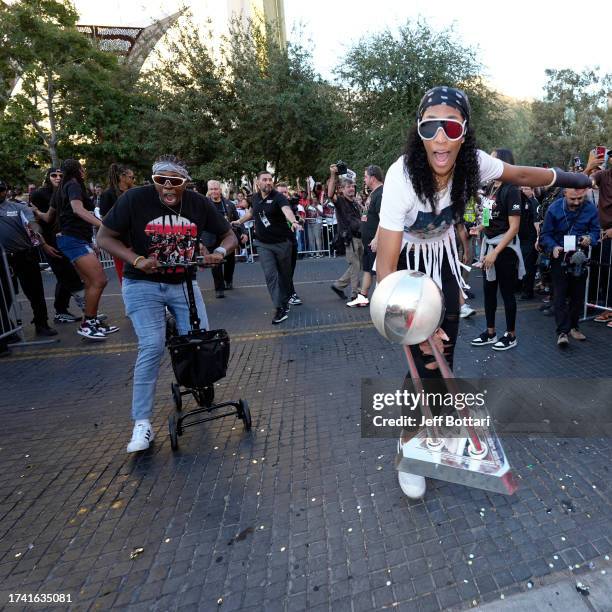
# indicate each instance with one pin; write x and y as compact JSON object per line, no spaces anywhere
{"x":342,"y":168}
{"x":575,"y":264}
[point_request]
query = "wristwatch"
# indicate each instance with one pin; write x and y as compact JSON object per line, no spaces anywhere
{"x":220,"y":250}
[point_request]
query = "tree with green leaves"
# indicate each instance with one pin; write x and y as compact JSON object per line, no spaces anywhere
{"x":248,"y":102}
{"x":73,"y":99}
{"x":573,"y":117}
{"x":384,"y":76}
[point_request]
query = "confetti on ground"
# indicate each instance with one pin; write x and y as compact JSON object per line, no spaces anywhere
{"x":136,"y":553}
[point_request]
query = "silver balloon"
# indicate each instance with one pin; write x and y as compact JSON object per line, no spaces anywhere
{"x":407,"y":307}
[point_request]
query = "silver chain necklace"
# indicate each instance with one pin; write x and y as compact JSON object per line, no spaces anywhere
{"x":171,"y":209}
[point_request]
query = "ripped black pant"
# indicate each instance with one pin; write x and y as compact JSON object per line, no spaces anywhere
{"x":450,"y":323}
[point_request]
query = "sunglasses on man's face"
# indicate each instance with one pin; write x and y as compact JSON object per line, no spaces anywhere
{"x":452,"y":128}
{"x":175,"y":181}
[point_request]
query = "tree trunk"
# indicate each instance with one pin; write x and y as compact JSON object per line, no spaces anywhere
{"x":52,"y":122}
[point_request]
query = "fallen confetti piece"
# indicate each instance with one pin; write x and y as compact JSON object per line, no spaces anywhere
{"x":530,"y":585}
{"x":136,"y":552}
{"x":583,"y":589}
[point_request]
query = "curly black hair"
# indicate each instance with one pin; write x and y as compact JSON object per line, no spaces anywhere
{"x":466,"y":177}
{"x":71,"y":169}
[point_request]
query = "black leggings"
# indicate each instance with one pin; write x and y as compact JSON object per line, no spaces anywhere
{"x":450,"y":323}
{"x":506,"y":273}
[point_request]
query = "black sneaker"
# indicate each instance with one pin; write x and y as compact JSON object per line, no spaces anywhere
{"x":280,"y":316}
{"x":105,"y":328}
{"x":339,"y":293}
{"x":295,"y":300}
{"x":229,"y":286}
{"x":45,"y":330}
{"x":484,"y":339}
{"x":505,"y":342}
{"x":65,"y":317}
{"x":89,"y":329}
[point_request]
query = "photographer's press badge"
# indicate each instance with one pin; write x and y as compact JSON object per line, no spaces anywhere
{"x":569,"y":243}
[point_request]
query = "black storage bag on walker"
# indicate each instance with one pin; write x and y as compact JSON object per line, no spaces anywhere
{"x":200,"y":358}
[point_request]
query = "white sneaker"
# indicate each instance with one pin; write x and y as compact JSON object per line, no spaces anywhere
{"x":142,"y":436}
{"x":466,"y":311}
{"x":412,"y":485}
{"x":360,"y":301}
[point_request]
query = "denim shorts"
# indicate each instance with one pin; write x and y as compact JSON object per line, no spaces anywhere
{"x":73,"y":248}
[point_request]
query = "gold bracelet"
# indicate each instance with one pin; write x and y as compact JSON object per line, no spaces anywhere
{"x":135,"y":262}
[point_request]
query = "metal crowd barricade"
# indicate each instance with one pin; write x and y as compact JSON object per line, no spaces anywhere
{"x":326,"y":251}
{"x":10,"y":310}
{"x":9,"y":314}
{"x":598,"y":291}
{"x":106,"y":259}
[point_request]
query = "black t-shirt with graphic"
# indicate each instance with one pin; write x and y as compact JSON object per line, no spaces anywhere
{"x":270,"y":221}
{"x":170,"y":235}
{"x":504,"y":203}
{"x":370,"y":225}
{"x":71,"y":224}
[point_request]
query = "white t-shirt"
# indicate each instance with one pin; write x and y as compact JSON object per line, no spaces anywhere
{"x":401,"y":209}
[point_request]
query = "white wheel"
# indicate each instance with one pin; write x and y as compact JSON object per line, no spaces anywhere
{"x":413,"y":486}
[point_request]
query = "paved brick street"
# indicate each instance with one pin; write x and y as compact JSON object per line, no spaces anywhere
{"x":300,"y":513}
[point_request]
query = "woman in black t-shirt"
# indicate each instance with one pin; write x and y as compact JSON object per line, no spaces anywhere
{"x":500,"y":256}
{"x":120,"y":179}
{"x":75,"y":219}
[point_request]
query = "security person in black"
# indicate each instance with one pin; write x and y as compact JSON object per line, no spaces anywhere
{"x":20,"y":238}
{"x":274,"y":222}
{"x":223,"y":275}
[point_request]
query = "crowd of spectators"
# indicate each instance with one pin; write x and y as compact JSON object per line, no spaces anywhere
{"x":543,"y":232}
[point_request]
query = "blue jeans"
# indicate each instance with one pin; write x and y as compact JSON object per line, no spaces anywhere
{"x":145,"y":304}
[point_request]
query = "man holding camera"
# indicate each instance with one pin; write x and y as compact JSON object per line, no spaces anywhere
{"x":570,"y":227}
{"x":349,"y":229}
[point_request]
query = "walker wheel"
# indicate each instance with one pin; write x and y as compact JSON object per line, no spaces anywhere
{"x":245,"y":414}
{"x":173,"y":430}
{"x":176,"y":396}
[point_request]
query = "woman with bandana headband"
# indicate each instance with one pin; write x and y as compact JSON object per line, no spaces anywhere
{"x":425,"y":195}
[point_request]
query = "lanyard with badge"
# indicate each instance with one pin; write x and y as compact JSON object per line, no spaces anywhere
{"x":488,"y":202}
{"x":262,"y":215}
{"x":569,"y":241}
